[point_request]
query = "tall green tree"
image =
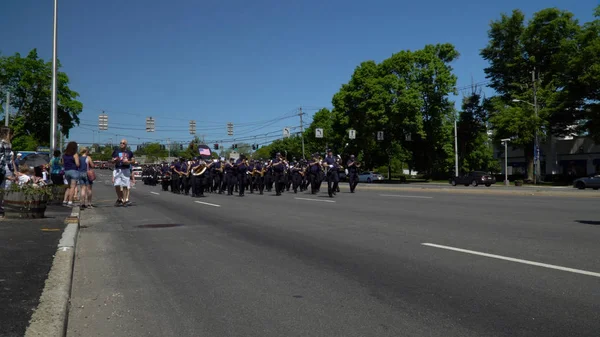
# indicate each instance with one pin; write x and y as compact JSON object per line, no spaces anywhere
{"x":474,"y":146}
{"x":154,"y":152}
{"x":527,"y":59}
{"x":584,"y":77}
{"x":29,"y":80}
{"x":405,"y":96}
{"x":322,"y":119}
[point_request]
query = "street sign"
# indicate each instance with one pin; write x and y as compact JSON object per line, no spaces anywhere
{"x":379,"y":135}
{"x":286,"y":132}
{"x":230,"y":129}
{"x":150,"y":124}
{"x":319,"y":133}
{"x":352,"y":134}
{"x":103,"y":122}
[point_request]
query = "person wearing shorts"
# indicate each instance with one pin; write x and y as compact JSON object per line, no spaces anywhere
{"x":122,"y":173}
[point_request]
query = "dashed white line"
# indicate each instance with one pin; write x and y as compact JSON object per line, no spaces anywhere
{"x":155,"y":193}
{"x":405,"y":196}
{"x":207,"y":203}
{"x":314,"y":199}
{"x":506,"y":258}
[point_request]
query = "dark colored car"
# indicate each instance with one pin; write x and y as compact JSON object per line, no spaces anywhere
{"x":474,"y":178}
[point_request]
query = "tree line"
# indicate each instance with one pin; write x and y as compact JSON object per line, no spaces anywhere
{"x":552,"y":57}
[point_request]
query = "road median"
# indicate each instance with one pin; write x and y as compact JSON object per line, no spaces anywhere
{"x":50,"y":317}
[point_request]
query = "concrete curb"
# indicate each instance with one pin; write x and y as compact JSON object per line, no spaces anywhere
{"x":50,"y":317}
{"x":491,"y":191}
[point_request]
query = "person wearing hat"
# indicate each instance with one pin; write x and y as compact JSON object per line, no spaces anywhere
{"x":352,"y":167}
{"x":230,"y":176}
{"x":333,"y":177}
{"x":278,"y":166}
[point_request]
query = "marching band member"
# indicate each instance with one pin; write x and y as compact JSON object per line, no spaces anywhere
{"x":242,"y":169}
{"x":333,"y":177}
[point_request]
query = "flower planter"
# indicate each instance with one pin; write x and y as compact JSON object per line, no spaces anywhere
{"x":58,"y":194}
{"x":518,"y":183}
{"x":19,"y":205}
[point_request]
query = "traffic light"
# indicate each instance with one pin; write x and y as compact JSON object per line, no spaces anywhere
{"x":235,"y":146}
{"x":253,"y":147}
{"x":180,"y":146}
{"x":216,"y":147}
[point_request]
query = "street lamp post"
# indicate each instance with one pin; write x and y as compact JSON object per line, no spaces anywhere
{"x":505,"y":141}
{"x":536,"y":147}
{"x":53,"y":117}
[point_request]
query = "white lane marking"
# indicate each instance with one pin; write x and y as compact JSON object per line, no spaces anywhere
{"x":506,"y":258}
{"x":155,"y":193}
{"x":206,"y":203}
{"x":405,"y":196}
{"x":314,"y":199}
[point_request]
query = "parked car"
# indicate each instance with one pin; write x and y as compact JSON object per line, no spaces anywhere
{"x":474,"y":178}
{"x":369,"y":177}
{"x":587,"y":182}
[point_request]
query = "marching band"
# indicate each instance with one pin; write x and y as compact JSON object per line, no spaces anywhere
{"x":252,"y":175}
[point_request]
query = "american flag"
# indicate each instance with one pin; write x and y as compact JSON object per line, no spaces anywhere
{"x":204,"y":152}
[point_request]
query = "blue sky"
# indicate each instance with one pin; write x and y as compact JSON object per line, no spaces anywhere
{"x":252,"y":63}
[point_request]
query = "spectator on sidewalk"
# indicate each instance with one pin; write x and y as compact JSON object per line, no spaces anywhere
{"x":56,"y":169}
{"x":85,"y":164}
{"x":71,"y":163}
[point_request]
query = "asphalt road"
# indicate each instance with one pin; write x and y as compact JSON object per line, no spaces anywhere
{"x":373,"y":263}
{"x":27,"y":248}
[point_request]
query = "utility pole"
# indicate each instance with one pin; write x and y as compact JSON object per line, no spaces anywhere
{"x":536,"y":146}
{"x":505,"y":141}
{"x":302,"y":131}
{"x":53,"y":117}
{"x":169,"y":147}
{"x":7,"y":110}
{"x":455,"y":148}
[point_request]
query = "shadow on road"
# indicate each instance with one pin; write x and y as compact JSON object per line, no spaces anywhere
{"x":589,"y":222}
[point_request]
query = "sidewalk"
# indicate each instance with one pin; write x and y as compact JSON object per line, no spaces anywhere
{"x":27,"y":248}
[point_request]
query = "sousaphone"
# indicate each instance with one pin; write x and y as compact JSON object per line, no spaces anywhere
{"x":199,"y":170}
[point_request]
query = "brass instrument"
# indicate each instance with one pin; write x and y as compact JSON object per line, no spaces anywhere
{"x":199,"y":170}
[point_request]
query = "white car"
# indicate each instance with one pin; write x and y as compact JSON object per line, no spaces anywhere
{"x":369,"y":177}
{"x":137,"y":172}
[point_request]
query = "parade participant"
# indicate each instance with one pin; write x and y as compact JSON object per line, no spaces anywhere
{"x":352,"y":167}
{"x":259,"y":176}
{"x":230,"y":176}
{"x":296,"y":176}
{"x":314,"y":169}
{"x":217,"y":176}
{"x":278,"y":166}
{"x":268,"y":177}
{"x":175,"y":176}
{"x":332,"y":177}
{"x":242,"y":169}
{"x":122,"y":158}
{"x":165,"y":176}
